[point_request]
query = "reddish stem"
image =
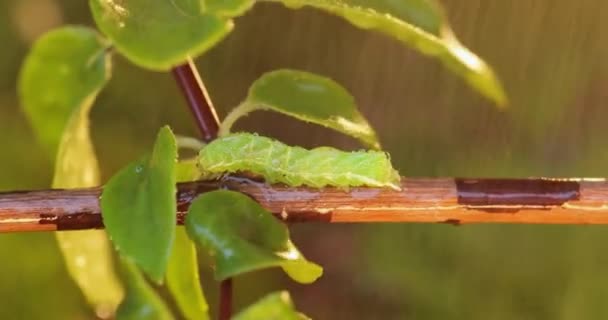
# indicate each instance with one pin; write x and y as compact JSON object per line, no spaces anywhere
{"x":198,"y":99}
{"x":225,"y":309}
{"x":200,"y":104}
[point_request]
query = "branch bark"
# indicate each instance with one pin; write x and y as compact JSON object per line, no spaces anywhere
{"x":455,"y":201}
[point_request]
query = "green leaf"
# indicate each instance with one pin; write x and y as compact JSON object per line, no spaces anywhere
{"x":183,"y":280}
{"x":296,"y":166}
{"x":59,"y":82}
{"x":274,"y":306}
{"x":420,"y":24}
{"x":307,"y":97}
{"x":61,"y":77}
{"x":138,"y":207}
{"x":228,"y":8}
{"x":141,"y":302}
{"x":159,"y":34}
{"x":242,"y":236}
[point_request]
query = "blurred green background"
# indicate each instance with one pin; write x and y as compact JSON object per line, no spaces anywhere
{"x":551,"y":56}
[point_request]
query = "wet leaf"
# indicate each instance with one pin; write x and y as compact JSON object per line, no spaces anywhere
{"x":421,"y":25}
{"x":307,"y":97}
{"x":243,"y":237}
{"x":59,"y":82}
{"x":141,"y":302}
{"x":138,"y":207}
{"x":160,"y":34}
{"x":274,"y":306}
{"x":61,"y":77}
{"x":183,"y":280}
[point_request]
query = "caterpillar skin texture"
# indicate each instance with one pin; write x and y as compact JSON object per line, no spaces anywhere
{"x":296,"y":166}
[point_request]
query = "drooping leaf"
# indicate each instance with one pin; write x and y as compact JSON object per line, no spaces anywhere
{"x":274,"y":306}
{"x":243,"y":237}
{"x":307,"y":97}
{"x":59,"y":82}
{"x":183,"y":280}
{"x":141,"y":301}
{"x":138,"y":207}
{"x":62,"y":74}
{"x":296,"y":166}
{"x":420,"y":24}
{"x":160,"y":34}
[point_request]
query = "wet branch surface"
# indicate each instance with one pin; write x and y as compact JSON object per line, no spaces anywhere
{"x":454,"y":201}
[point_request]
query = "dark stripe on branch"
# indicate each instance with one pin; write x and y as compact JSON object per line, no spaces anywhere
{"x":544,"y":201}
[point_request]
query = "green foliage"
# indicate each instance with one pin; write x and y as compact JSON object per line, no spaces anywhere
{"x":419,"y":24}
{"x":184,"y":29}
{"x":68,"y":67}
{"x":60,"y":79}
{"x":183,"y":280}
{"x":161,"y":34}
{"x":307,"y":97}
{"x":274,"y":306}
{"x":141,"y":301}
{"x":296,"y":166}
{"x":138,"y":206}
{"x":243,"y":237}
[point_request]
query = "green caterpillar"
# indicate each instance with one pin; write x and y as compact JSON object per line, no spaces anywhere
{"x":296,"y":166}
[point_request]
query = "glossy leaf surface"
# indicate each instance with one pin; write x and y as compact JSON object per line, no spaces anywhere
{"x":421,"y":25}
{"x":243,"y":237}
{"x":159,"y":34}
{"x":274,"y":306}
{"x":138,"y":207}
{"x":60,"y":77}
{"x":307,"y":97}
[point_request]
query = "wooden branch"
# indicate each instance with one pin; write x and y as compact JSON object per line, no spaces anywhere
{"x":455,"y":201}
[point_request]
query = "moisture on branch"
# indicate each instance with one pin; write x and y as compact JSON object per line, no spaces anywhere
{"x":455,"y":201}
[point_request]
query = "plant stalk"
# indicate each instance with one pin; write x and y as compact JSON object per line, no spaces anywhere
{"x":208,"y":123}
{"x":193,"y":89}
{"x":225,"y":308}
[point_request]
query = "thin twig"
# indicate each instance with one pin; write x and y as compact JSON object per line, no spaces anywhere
{"x":455,"y":201}
{"x":196,"y":95}
{"x":208,"y":123}
{"x":225,"y":309}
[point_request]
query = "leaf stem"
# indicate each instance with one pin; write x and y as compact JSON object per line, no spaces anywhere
{"x":239,"y":111}
{"x":200,"y":104}
{"x":225,"y":308}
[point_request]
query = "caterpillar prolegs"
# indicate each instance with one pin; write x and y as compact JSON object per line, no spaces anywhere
{"x":296,"y":166}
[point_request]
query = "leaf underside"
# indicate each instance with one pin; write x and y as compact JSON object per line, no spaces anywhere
{"x":59,"y":81}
